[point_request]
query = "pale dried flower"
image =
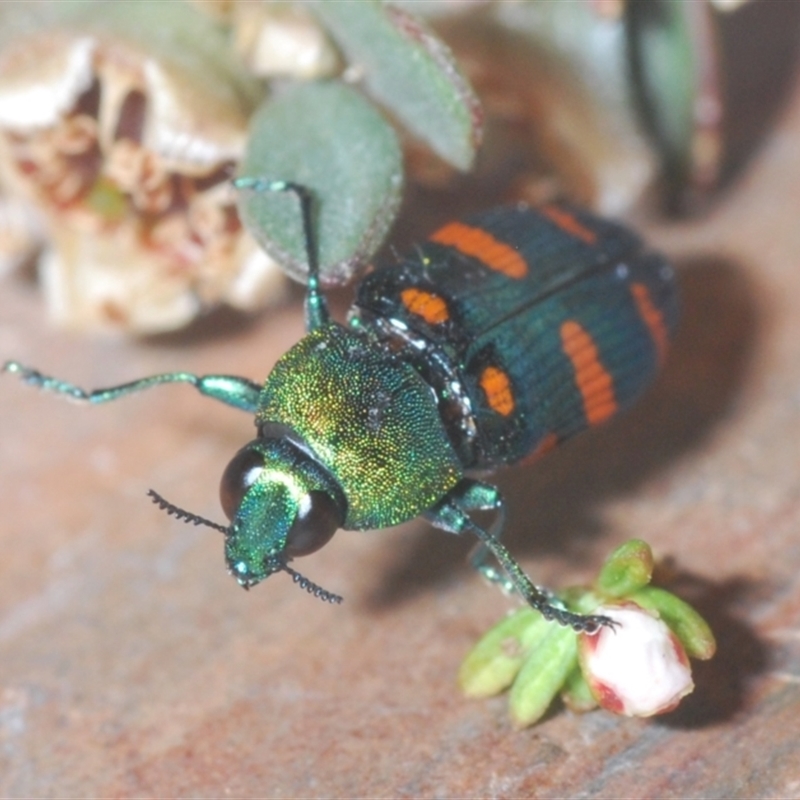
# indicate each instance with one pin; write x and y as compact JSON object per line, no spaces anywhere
{"x":129,"y":158}
{"x":282,"y":39}
{"x":728,"y":5}
{"x":21,"y":233}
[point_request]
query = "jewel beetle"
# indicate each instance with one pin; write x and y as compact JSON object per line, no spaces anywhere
{"x":497,"y":338}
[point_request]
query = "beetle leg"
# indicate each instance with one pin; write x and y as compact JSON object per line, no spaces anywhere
{"x":316,"y":308}
{"x":452,"y":514}
{"x":475,"y":496}
{"x":237,"y":392}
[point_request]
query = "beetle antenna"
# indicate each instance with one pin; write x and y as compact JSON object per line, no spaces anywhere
{"x":179,"y":513}
{"x":311,"y":587}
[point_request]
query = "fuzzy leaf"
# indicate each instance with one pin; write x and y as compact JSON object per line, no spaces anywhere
{"x":491,"y":666}
{"x":407,"y":67}
{"x":693,"y":631}
{"x":327,"y":137}
{"x":627,"y":569}
{"x":543,"y":675}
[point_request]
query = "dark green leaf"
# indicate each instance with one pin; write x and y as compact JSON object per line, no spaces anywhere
{"x":675,"y":76}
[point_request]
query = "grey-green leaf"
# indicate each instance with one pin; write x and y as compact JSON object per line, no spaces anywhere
{"x":407,"y":67}
{"x":329,"y":138}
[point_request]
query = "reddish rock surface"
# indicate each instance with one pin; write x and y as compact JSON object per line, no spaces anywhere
{"x":131,"y":664}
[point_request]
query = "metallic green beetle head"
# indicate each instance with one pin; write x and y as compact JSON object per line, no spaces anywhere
{"x":282,"y":503}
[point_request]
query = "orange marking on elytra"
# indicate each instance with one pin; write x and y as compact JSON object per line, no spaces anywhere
{"x":652,"y":318}
{"x":593,"y":380}
{"x":497,"y":388}
{"x":429,"y":306}
{"x":479,"y":244}
{"x":569,"y":224}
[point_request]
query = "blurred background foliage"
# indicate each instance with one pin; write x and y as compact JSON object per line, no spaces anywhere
{"x":121,"y":125}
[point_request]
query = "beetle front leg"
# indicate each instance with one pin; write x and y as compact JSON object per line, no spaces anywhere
{"x":317,"y":313}
{"x":229,"y":389}
{"x":452,"y":514}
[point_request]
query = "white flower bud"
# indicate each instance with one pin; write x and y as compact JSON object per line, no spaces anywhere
{"x":637,"y":668}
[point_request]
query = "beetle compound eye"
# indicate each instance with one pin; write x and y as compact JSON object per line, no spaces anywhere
{"x":316,"y":521}
{"x":240,"y":474}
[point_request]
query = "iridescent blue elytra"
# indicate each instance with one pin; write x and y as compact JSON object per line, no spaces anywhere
{"x":490,"y":343}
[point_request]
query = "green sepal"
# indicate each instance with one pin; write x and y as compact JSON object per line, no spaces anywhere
{"x":627,"y":569}
{"x":333,"y":141}
{"x":692,"y":630}
{"x":491,"y":666}
{"x":577,"y":695}
{"x":409,"y":69}
{"x":543,"y":675}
